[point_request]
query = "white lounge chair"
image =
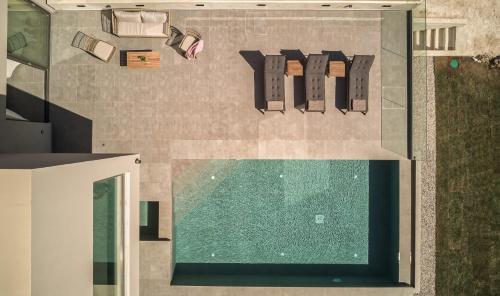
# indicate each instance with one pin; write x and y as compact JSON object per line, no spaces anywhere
{"x":98,"y":48}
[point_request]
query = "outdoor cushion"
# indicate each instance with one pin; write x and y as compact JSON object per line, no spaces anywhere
{"x":152,"y":29}
{"x":359,"y":74}
{"x":275,"y":64}
{"x":275,"y":90}
{"x":153,"y":17}
{"x":274,"y":70}
{"x":187,"y":42}
{"x":96,"y":47}
{"x":103,"y":50}
{"x":316,"y":64}
{"x":15,"y":42}
{"x":315,"y":88}
{"x":359,"y":105}
{"x":275,"y":106}
{"x":316,"y":105}
{"x":128,"y":16}
{"x":129,"y":28}
{"x":315,"y":79}
{"x":362,"y":63}
{"x":143,"y":23}
{"x":358,"y":87}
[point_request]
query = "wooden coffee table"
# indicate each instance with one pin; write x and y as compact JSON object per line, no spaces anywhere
{"x":143,"y":59}
{"x":294,"y":68}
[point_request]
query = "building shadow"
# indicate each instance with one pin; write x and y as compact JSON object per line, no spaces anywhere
{"x":71,"y":133}
{"x":341,"y":94}
{"x":383,"y":222}
{"x":255,"y":59}
{"x":294,"y":54}
{"x":341,"y":83}
{"x":150,"y":231}
{"x":299,"y":93}
{"x":3,"y":102}
{"x":335,"y":55}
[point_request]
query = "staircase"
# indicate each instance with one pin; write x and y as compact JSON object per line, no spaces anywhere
{"x":435,"y":37}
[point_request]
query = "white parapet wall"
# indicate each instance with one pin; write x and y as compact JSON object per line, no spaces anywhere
{"x":3,"y":47}
{"x":46,"y":211}
{"x":236,"y":4}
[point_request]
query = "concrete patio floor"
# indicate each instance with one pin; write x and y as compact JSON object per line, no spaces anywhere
{"x":205,"y":109}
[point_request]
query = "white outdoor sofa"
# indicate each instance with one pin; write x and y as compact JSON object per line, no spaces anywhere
{"x":141,"y":23}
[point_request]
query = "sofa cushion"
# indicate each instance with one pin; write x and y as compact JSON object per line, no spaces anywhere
{"x":128,"y":16}
{"x":129,"y":28}
{"x":153,"y":17}
{"x":152,"y":29}
{"x":187,"y":42}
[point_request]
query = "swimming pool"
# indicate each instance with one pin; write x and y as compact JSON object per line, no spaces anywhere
{"x":282,"y":214}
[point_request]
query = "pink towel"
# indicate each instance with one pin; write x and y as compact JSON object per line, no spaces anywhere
{"x":194,"y":50}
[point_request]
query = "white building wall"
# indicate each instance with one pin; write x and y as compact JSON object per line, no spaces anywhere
{"x":15,"y":232}
{"x":63,"y":225}
{"x":47,"y":227}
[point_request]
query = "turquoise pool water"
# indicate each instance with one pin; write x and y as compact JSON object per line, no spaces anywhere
{"x":272,"y":212}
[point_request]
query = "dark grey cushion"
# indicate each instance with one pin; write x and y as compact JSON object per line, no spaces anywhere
{"x":274,"y":83}
{"x":15,"y":42}
{"x":316,"y":64}
{"x":359,"y":80}
{"x":315,"y":77}
{"x":358,"y":87}
{"x":361,"y":63}
{"x":315,"y":87}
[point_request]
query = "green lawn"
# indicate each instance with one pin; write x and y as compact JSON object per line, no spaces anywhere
{"x":468,"y":179}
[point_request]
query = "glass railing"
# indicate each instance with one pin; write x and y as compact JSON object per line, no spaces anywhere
{"x":108,"y":237}
{"x":28,"y":32}
{"x":404,"y":83}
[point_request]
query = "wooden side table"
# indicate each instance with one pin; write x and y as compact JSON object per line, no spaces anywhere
{"x":336,"y":69}
{"x":294,"y":68}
